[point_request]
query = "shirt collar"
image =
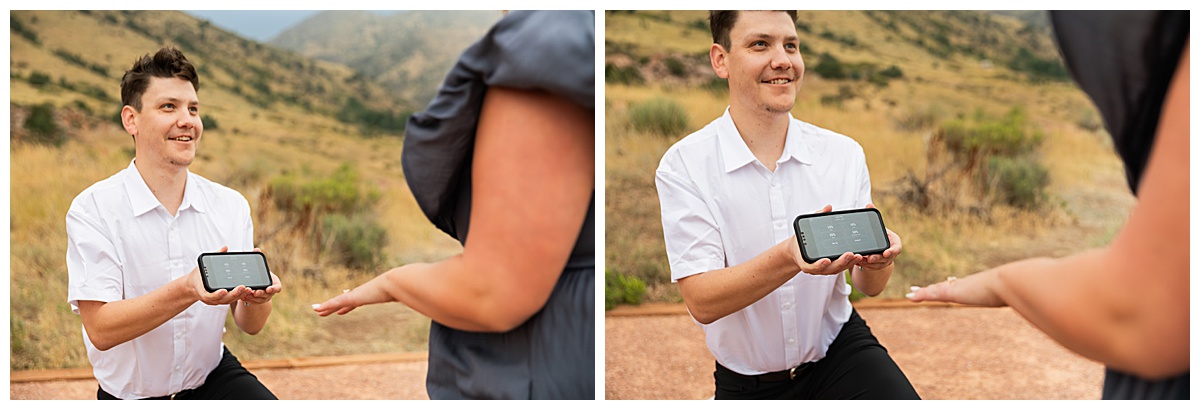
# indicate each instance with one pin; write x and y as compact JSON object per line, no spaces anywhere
{"x":736,"y":154}
{"x":142,"y":200}
{"x":798,"y":144}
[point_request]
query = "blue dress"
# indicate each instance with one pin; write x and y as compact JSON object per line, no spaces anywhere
{"x":552,"y":355}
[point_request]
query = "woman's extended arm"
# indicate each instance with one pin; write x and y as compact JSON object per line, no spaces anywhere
{"x":1126,"y":305}
{"x":532,"y":180}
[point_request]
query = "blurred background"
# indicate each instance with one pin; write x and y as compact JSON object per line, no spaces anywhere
{"x":981,"y":149}
{"x":305,"y":119}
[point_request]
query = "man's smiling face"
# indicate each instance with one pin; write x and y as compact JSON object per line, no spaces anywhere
{"x":168,"y":127}
{"x":763,"y":62}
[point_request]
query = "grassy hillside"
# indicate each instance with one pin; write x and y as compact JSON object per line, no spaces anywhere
{"x":409,"y":52}
{"x":904,"y":85}
{"x":282,"y":129}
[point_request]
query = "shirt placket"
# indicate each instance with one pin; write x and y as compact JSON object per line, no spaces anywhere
{"x":781,"y":228}
{"x":175,"y":255}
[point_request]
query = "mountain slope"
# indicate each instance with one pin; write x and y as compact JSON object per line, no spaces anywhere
{"x":88,"y":51}
{"x":409,"y":52}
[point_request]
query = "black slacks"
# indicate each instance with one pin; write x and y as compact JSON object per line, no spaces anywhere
{"x":229,"y":381}
{"x":855,"y":367}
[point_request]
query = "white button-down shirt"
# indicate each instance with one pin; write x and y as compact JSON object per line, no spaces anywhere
{"x":722,"y":207}
{"x":121,"y":244}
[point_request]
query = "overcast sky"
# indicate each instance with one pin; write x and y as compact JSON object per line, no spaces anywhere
{"x":259,"y":25}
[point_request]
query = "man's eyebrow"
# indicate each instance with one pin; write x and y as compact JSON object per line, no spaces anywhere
{"x":760,"y":36}
{"x":176,"y":100}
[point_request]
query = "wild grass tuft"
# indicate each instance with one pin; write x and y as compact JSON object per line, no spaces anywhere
{"x":660,"y":116}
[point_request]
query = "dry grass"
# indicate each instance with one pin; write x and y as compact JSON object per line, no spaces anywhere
{"x":45,"y":334}
{"x":1089,"y":202}
{"x":252,"y":144}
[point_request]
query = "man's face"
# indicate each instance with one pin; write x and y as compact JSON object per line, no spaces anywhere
{"x":763,"y":62}
{"x":167,"y":130}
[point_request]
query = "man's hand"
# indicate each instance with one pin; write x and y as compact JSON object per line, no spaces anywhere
{"x":221,"y":296}
{"x":824,"y":266}
{"x":263,"y":295}
{"x":885,"y":259}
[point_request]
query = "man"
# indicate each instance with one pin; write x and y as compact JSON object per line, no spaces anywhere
{"x":778,"y":327}
{"x":150,"y":327}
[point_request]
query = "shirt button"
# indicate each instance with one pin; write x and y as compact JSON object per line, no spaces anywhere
{"x":787,"y":305}
{"x":790,"y":341}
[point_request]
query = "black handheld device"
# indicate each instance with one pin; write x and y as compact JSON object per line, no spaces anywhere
{"x":227,"y":270}
{"x":830,"y":234}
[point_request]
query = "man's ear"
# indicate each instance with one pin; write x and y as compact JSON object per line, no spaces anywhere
{"x":128,"y":120}
{"x":716,"y":55}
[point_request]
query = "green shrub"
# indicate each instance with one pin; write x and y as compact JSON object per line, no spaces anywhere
{"x":339,"y":193}
{"x":15,"y":25}
{"x":829,"y":67}
{"x":1038,"y":69}
{"x":336,"y":212}
{"x":622,"y":75}
{"x":892,"y":72}
{"x":42,"y":127}
{"x":354,"y":111}
{"x":38,"y":78}
{"x":355,"y":242}
{"x":1020,"y":182}
{"x":620,"y":289}
{"x":210,"y":123}
{"x":659,"y":116}
{"x":1007,"y":136}
{"x":676,"y":67}
{"x":82,"y":106}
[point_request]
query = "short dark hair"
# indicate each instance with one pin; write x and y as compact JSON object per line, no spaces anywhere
{"x":721,"y":22}
{"x":168,"y":62}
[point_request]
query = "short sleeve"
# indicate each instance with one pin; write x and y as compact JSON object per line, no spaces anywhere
{"x":690,"y":231}
{"x":93,"y":268}
{"x":551,"y":51}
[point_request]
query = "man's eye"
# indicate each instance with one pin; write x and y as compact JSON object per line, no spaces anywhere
{"x":194,"y":109}
{"x":758,"y":44}
{"x":168,"y":106}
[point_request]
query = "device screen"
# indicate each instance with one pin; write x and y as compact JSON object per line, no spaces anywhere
{"x":829,"y":236}
{"x":228,"y":270}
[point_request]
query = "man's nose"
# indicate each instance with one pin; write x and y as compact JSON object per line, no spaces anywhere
{"x":187,"y":120}
{"x":781,"y":59}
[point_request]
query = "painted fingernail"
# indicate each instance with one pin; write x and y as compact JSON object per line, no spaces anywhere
{"x":909,"y":295}
{"x":316,"y":305}
{"x":345,"y":290}
{"x":914,"y":288}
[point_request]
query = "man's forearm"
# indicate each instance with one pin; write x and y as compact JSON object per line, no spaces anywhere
{"x":715,"y":294}
{"x":113,"y":323}
{"x":251,"y":317}
{"x":869,"y":281}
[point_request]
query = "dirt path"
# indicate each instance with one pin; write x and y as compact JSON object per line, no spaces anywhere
{"x":657,"y":352}
{"x":402,"y":380}
{"x":946,"y":352}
